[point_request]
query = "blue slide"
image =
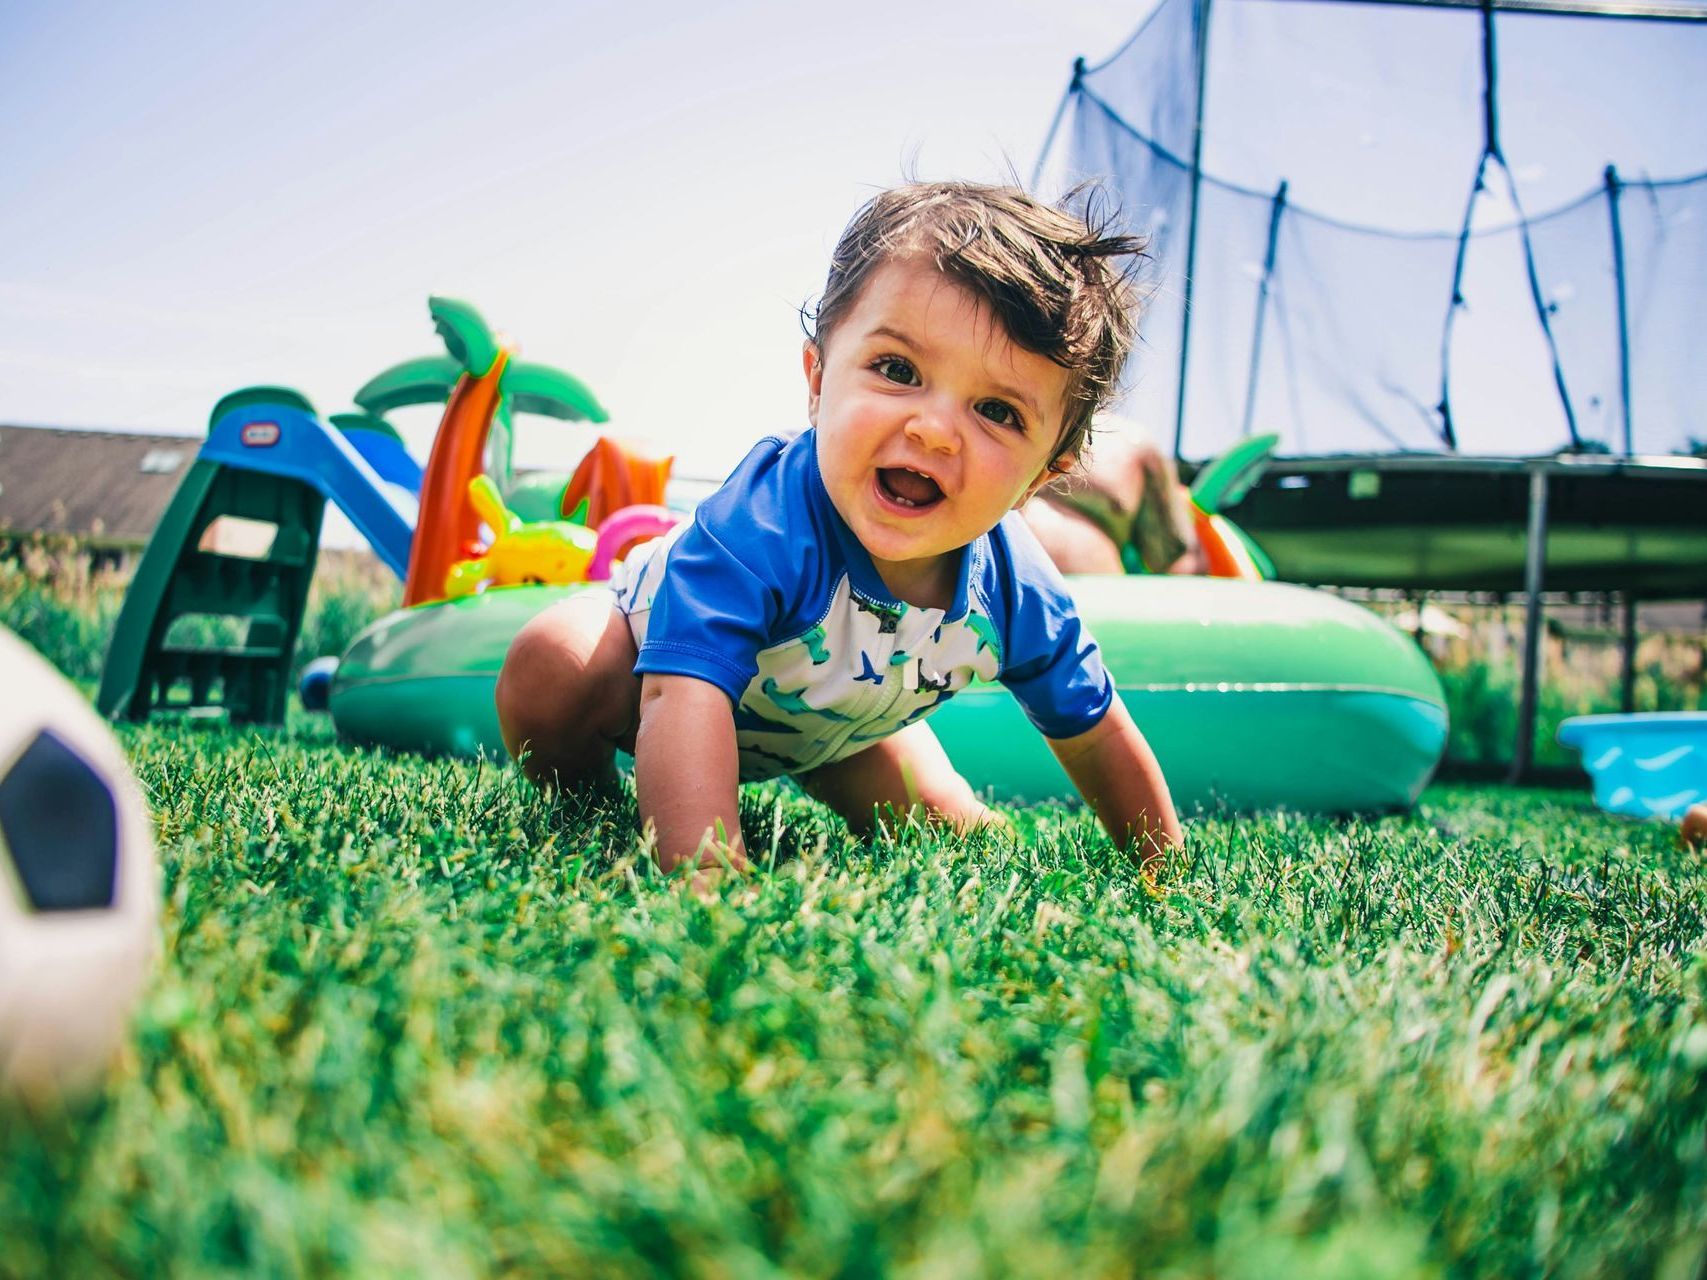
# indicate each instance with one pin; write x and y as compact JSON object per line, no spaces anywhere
{"x":382,"y":449}
{"x":283,"y":440}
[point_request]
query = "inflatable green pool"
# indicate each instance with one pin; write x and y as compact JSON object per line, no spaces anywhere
{"x":1254,"y":695}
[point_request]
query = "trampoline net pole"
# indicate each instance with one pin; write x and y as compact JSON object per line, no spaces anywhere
{"x":1201,"y":36}
{"x":1534,"y":564}
{"x":1627,"y":654}
{"x":1448,"y":432}
{"x":1278,"y":208}
{"x":1613,"y":188}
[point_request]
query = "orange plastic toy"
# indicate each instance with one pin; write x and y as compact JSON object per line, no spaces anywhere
{"x":1224,"y":554}
{"x":614,"y":475}
{"x":448,"y":521}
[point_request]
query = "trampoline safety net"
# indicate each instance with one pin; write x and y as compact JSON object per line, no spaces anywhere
{"x":1432,"y":227}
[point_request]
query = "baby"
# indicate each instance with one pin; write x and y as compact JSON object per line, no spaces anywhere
{"x":845,"y":582}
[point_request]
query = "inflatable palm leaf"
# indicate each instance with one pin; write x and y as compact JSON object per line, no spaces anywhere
{"x":539,"y":388}
{"x":467,"y":336}
{"x":424,"y":380}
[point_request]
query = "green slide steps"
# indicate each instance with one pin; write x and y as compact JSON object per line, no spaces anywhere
{"x":260,"y":594}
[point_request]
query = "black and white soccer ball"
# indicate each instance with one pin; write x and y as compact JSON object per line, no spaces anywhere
{"x":79,"y":884}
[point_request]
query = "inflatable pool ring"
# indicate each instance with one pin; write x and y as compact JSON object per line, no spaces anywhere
{"x":626,"y":529}
{"x":1253,"y":694}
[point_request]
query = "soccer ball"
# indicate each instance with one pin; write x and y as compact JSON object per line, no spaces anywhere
{"x":79,"y":886}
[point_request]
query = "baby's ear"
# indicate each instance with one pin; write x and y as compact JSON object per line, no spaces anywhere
{"x":1054,"y":471}
{"x":812,"y":361}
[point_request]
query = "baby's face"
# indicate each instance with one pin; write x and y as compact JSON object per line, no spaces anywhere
{"x":932,"y":424}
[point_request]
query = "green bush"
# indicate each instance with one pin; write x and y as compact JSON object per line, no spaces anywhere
{"x":1482,"y":700}
{"x":54,"y":598}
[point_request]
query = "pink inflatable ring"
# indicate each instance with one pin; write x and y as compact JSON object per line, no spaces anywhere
{"x":625,"y":529}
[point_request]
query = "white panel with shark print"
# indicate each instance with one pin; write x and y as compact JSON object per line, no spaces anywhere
{"x":866,"y":669}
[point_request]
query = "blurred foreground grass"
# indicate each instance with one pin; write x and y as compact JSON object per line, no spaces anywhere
{"x":413,"y":1020}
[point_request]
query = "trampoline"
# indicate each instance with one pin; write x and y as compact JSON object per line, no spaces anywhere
{"x":1452,"y":252}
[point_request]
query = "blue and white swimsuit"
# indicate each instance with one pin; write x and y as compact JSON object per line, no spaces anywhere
{"x":768,"y":595}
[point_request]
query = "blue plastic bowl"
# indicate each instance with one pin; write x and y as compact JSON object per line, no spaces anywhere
{"x":1652,"y":765}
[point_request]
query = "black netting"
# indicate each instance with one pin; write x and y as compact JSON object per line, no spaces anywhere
{"x":1665,"y":266}
{"x":1151,"y":189}
{"x":1578,"y":94}
{"x":1504,"y":396}
{"x":1374,"y":118}
{"x":1358,"y":321}
{"x":1227,"y":285}
{"x":1148,"y":85}
{"x":1328,"y":98}
{"x":1574,"y":260}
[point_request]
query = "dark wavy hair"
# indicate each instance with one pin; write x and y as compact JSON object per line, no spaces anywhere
{"x":1061,"y":285}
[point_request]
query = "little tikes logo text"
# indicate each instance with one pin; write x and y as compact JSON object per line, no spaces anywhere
{"x":260,"y":435}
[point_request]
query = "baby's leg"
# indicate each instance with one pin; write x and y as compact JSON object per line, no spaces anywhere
{"x":907,"y":772}
{"x":1127,"y":493}
{"x":1163,"y":529}
{"x":1075,"y":542}
{"x":568,"y":695}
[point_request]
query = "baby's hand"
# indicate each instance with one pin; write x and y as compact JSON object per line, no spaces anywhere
{"x":706,"y":883}
{"x":710,"y":884}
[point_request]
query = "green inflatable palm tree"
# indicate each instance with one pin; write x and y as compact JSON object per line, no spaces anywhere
{"x":524,"y":387}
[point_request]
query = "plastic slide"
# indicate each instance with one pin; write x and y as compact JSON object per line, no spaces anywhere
{"x":382,"y":448}
{"x":282,"y":439}
{"x":239,"y":541}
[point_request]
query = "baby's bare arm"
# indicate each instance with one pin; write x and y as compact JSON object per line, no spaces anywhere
{"x":1119,"y":777}
{"x":687,"y":773}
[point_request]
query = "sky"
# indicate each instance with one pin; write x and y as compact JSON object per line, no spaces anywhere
{"x":203,"y":196}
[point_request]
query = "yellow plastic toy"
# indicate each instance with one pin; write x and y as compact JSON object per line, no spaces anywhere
{"x":549,"y":551}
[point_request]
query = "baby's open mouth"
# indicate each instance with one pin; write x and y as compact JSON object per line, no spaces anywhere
{"x":908,"y":488}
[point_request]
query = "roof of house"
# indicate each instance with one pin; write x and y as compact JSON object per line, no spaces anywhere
{"x":108,"y":486}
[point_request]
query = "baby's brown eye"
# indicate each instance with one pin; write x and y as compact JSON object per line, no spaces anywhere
{"x":896,"y":370}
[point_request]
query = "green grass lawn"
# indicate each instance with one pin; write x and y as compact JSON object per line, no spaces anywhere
{"x":412,"y":1020}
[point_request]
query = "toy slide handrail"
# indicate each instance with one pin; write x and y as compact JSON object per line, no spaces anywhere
{"x":1228,"y":478}
{"x":280,"y":440}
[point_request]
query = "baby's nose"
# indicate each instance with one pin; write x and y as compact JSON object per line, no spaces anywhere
{"x":934,"y":428}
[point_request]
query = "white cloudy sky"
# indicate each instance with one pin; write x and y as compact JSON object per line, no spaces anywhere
{"x":199,"y":196}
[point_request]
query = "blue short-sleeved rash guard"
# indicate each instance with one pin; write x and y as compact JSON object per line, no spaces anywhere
{"x":768,"y":595}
